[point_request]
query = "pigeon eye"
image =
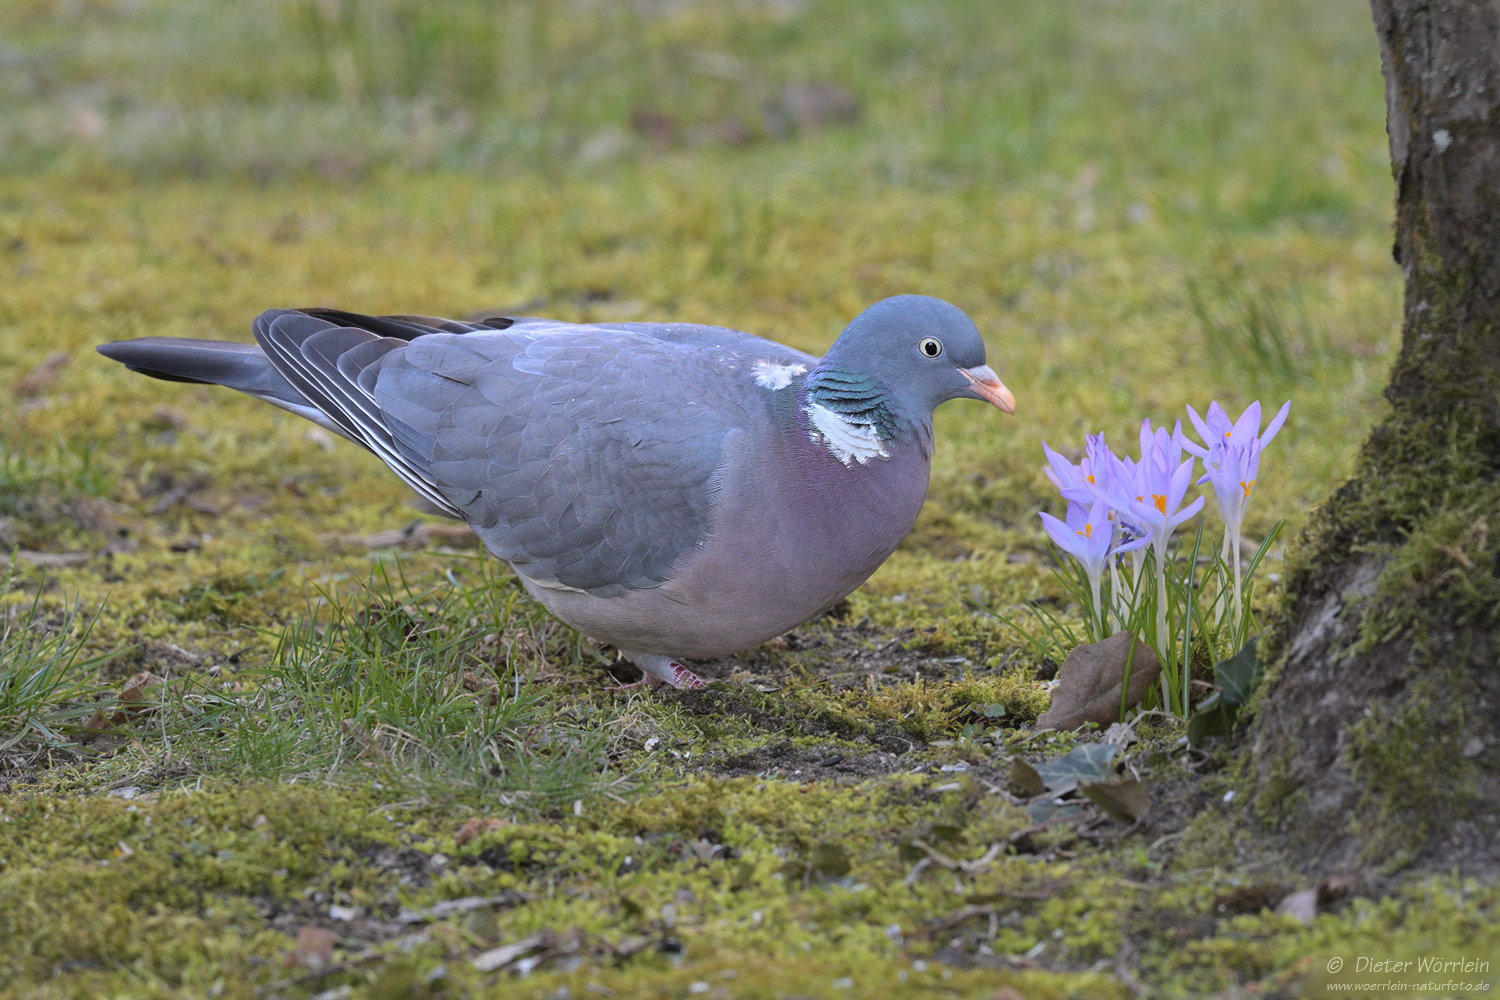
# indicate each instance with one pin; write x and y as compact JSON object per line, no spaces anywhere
{"x":930,"y":347}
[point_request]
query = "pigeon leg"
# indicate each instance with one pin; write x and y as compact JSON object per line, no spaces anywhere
{"x":663,"y":668}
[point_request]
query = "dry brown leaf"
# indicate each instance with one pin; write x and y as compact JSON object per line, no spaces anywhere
{"x":138,"y":690}
{"x":314,"y":949}
{"x":135,"y":700}
{"x":477,"y":827}
{"x":1088,"y":688}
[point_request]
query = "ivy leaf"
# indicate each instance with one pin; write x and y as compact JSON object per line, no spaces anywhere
{"x":1235,"y":680}
{"x":1126,"y":800}
{"x":1048,"y":809}
{"x":1025,"y":780}
{"x":1087,"y":762}
{"x":1237,"y":676}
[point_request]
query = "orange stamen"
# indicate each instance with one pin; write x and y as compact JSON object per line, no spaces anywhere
{"x":1087,"y":532}
{"x":1161,"y":501}
{"x":1247,"y":487}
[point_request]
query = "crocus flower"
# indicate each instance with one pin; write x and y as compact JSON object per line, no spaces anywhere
{"x":1150,"y":492}
{"x":1088,"y":536}
{"x":1231,"y":458}
{"x":1150,"y":495}
{"x":1219,"y":432}
{"x":1072,"y":480}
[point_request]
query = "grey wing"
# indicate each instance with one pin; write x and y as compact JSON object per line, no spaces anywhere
{"x":334,"y":368}
{"x":585,"y":457}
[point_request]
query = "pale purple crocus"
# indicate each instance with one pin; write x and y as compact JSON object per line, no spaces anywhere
{"x":1072,"y":480}
{"x":1088,"y":536}
{"x":1150,"y":494}
{"x":1231,"y":458}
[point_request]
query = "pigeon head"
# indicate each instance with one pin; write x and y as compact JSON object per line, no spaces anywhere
{"x":908,"y":354}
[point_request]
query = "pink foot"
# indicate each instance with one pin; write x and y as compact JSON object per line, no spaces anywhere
{"x":683,"y":678}
{"x":662,"y":669}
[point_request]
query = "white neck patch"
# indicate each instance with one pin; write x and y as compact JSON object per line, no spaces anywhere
{"x":775,"y":375}
{"x":847,"y":441}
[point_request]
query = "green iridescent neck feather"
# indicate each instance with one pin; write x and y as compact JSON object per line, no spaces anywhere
{"x":855,"y":397}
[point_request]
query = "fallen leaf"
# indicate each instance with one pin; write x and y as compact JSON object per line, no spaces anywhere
{"x":314,"y":949}
{"x":1088,"y":762}
{"x":1121,"y":734}
{"x":1090,"y":679}
{"x":1126,"y":801}
{"x":1048,"y":810}
{"x":1302,"y":905}
{"x":1025,"y":780}
{"x":477,"y":827}
{"x":134,"y":700}
{"x":138,"y":691}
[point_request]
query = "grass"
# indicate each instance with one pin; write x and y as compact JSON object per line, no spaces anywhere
{"x":1142,"y":206}
{"x":400,"y":685}
{"x":45,"y":683}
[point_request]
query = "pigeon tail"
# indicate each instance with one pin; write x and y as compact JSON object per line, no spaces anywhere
{"x":244,"y":367}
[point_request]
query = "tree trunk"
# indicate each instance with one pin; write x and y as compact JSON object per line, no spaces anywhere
{"x":1377,"y":742}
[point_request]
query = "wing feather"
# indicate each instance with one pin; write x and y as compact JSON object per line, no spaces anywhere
{"x":587,"y":456}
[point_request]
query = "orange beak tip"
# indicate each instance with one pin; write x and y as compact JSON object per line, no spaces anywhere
{"x":988,"y":387}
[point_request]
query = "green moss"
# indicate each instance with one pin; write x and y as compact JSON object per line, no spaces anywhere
{"x":1408,"y":759}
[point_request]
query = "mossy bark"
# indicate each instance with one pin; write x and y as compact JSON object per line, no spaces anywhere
{"x":1377,"y":741}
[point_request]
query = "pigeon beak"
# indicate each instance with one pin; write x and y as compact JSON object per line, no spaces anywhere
{"x":988,"y":387}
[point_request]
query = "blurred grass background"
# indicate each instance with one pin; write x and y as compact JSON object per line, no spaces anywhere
{"x":1144,"y":204}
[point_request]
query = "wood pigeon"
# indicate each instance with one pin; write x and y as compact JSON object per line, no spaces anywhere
{"x":674,"y":490}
